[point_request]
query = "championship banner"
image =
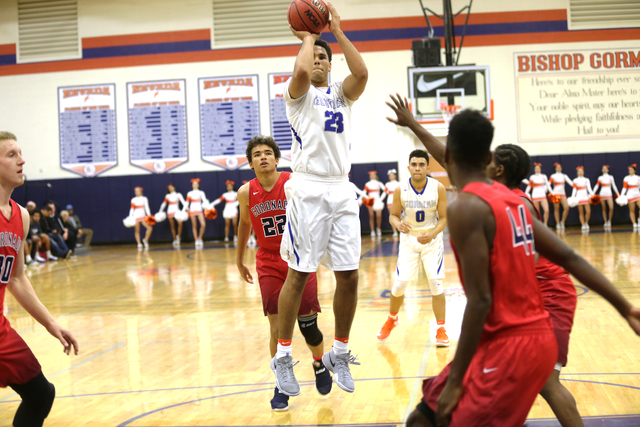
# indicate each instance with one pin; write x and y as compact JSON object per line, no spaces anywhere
{"x":157,"y":124}
{"x":578,"y":95}
{"x":87,"y":119}
{"x":229,"y":118}
{"x":280,"y":127}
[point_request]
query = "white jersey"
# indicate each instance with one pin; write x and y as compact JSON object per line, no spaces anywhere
{"x":139,"y":208}
{"x":320,"y":125}
{"x":419,"y":209}
{"x":558,"y":180}
{"x":538,"y":186}
{"x":231,"y":204}
{"x":389,"y":188}
{"x":630,"y":187}
{"x":172,"y":200}
{"x":608,"y":185}
{"x":196,"y":200}
{"x":582,"y":189}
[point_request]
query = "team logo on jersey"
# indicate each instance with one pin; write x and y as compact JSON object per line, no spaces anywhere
{"x":8,"y":239}
{"x":522,"y":233}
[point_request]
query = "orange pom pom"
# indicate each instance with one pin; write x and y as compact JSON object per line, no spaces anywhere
{"x":368,"y":201}
{"x":150,"y":220}
{"x":211,"y":213}
{"x":595,"y":199}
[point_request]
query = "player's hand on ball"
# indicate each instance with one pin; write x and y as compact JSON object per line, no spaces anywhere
{"x":404,"y":227}
{"x":302,"y":34}
{"x":634,"y":319}
{"x":425,"y":238}
{"x":334,"y":21}
{"x":400,"y":106}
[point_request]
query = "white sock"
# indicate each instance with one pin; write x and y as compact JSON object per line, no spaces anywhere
{"x":340,"y":347}
{"x":283,"y":350}
{"x":28,"y":258}
{"x":394,"y":317}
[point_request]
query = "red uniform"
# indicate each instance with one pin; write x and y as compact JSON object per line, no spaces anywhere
{"x":18,"y":365}
{"x":559,"y":297}
{"x":517,"y":349}
{"x":267,"y":210}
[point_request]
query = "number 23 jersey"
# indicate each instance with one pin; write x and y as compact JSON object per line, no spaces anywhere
{"x":268,"y":212}
{"x":320,"y":125}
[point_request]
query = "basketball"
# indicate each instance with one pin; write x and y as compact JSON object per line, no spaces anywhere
{"x":308,"y":15}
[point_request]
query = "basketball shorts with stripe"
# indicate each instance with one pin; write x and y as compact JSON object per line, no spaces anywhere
{"x":412,"y":254}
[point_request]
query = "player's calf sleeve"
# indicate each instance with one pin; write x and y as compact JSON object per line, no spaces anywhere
{"x":309,"y":329}
{"x":37,"y":399}
{"x":436,"y":287}
{"x":398,"y":288}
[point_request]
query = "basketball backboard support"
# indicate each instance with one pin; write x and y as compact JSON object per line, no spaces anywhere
{"x":464,"y":86}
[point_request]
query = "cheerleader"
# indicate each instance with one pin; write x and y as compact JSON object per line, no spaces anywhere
{"x":389,"y":188}
{"x":630,"y":184}
{"x":606,"y":183}
{"x":196,"y":201}
{"x":537,"y":190}
{"x":375,"y":189}
{"x":582,"y":190}
{"x":172,"y":199}
{"x":230,"y":212}
{"x":140,"y":209}
{"x":557,"y":181}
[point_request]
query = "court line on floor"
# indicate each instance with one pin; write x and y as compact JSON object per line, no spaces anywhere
{"x":417,"y":384}
{"x":634,"y":259}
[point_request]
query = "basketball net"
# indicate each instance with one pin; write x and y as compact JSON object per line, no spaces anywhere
{"x":448,"y":111}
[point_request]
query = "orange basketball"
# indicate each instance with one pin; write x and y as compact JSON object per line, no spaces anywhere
{"x":308,"y":15}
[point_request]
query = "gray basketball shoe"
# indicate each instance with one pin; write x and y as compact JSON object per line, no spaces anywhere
{"x":285,"y":378}
{"x":339,"y":365}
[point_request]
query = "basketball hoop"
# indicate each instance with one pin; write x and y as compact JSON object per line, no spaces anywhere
{"x":448,"y":111}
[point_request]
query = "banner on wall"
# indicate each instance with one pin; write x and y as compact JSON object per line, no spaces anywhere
{"x":229,"y":118}
{"x":157,"y":124}
{"x":578,"y":95}
{"x":87,"y":120}
{"x":280,"y":127}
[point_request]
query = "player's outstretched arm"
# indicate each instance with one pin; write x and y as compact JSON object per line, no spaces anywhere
{"x":404,"y":117}
{"x":471,"y":221}
{"x":354,"y":84}
{"x":558,"y":252}
{"x":23,"y":292}
{"x":244,"y":230}
{"x":395,"y":213}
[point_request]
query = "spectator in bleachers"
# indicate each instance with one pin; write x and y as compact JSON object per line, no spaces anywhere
{"x":31,"y":206}
{"x":75,"y":221}
{"x":72,"y":232}
{"x":52,"y":228}
{"x":39,"y":239}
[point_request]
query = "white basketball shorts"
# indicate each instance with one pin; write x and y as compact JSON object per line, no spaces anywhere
{"x":323,"y":224}
{"x":411,"y":254}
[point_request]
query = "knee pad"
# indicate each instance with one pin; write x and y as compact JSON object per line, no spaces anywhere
{"x":436,"y":287}
{"x":309,"y":328}
{"x":399,"y":287}
{"x":37,"y":399}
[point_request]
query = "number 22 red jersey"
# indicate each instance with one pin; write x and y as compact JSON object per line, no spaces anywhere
{"x":11,"y":233}
{"x":268,"y":212}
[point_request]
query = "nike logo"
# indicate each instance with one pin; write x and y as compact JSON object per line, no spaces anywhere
{"x":487,"y":371}
{"x":255,"y":193}
{"x":428,"y":87}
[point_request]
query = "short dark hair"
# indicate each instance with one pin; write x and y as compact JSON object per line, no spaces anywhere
{"x":420,"y":154}
{"x":326,"y":47}
{"x":262,"y":140}
{"x":46,"y":208}
{"x":36,"y":211}
{"x":469,"y":140}
{"x":515,"y":161}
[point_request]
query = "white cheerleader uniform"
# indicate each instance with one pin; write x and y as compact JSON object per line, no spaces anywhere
{"x":375,"y":189}
{"x":630,"y":187}
{"x":323,"y":217}
{"x":538,"y":187}
{"x":196,"y":200}
{"x":607,"y":183}
{"x":231,"y":204}
{"x":389,"y":188}
{"x":359,"y":193}
{"x":172,"y":199}
{"x":558,"y":180}
{"x":139,"y":208}
{"x":582,"y":190}
{"x":420,"y":210}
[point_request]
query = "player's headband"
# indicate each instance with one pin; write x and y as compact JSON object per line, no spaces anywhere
{"x":390,"y":171}
{"x":229,"y":182}
{"x":537,"y":164}
{"x":632,"y":166}
{"x":195,"y":180}
{"x":580,"y":167}
{"x":555,"y":164}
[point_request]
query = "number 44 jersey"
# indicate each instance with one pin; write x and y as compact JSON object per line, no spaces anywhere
{"x":320,"y":123}
{"x":267,"y":210}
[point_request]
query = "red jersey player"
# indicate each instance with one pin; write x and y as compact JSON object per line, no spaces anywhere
{"x":19,"y":368}
{"x":263,"y":204}
{"x":504,"y":353}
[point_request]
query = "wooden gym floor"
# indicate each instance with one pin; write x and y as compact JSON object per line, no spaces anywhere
{"x":174,"y":338}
